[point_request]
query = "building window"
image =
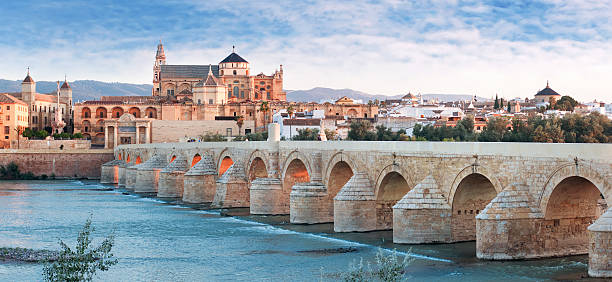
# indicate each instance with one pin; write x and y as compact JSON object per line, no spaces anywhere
{"x":236,"y":81}
{"x":5,"y":137}
{"x":7,"y":130}
{"x":235,"y":72}
{"x":268,"y":95}
{"x":247,"y":131}
{"x":199,"y":101}
{"x":242,"y":94}
{"x":8,"y":117}
{"x":268,"y":87}
{"x":262,"y":83}
{"x":8,"y":108}
{"x":236,"y":91}
{"x":210,"y":101}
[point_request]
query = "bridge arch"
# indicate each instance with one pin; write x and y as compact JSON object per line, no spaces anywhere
{"x":257,"y":167}
{"x":225,"y":161}
{"x":391,"y":185}
{"x":295,"y":170}
{"x":340,"y":169}
{"x":196,"y":158}
{"x":465,"y":172}
{"x":572,"y":170}
{"x":296,"y":155}
{"x":472,"y":194}
{"x":572,"y":199}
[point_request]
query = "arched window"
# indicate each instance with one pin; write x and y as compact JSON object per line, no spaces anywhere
{"x":235,"y":72}
{"x":236,"y":91}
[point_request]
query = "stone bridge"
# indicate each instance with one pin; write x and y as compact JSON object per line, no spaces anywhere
{"x":517,"y":200}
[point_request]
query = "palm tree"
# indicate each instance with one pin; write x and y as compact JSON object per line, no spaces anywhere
{"x":290,"y":112}
{"x":239,"y":122}
{"x":265,"y":108}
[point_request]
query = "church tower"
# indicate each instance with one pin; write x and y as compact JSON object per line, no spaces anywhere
{"x":66,"y":93}
{"x":160,"y":59}
{"x":28,"y":88}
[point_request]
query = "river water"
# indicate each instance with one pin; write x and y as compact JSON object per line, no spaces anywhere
{"x":165,"y":241}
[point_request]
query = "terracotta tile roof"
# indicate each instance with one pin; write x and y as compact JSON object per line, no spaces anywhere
{"x":8,"y":99}
{"x":44,"y":97}
{"x":302,"y":121}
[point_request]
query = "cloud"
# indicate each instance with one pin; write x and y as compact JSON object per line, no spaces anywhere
{"x":387,"y":47}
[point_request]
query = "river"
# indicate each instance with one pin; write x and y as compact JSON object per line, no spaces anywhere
{"x":165,"y":241}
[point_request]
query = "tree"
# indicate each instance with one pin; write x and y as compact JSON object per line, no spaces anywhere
{"x":566,"y":103}
{"x":42,"y":134}
{"x":19,"y":131}
{"x":360,"y":130}
{"x":81,"y":263}
{"x":239,"y":123}
{"x":509,"y":107}
{"x":330,"y":134}
{"x":307,"y":134}
{"x":494,"y":131}
{"x":264,"y":107}
{"x":496,"y":104}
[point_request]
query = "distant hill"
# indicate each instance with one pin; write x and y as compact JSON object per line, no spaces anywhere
{"x":91,"y":90}
{"x":320,"y":93}
{"x":83,"y":89}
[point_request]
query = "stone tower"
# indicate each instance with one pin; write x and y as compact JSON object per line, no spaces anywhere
{"x":28,"y":88}
{"x":66,"y":93}
{"x":160,"y":59}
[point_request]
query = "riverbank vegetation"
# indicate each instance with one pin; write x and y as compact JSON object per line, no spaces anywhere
{"x":572,"y":128}
{"x":11,"y":172}
{"x":388,"y":268}
{"x":27,"y":255}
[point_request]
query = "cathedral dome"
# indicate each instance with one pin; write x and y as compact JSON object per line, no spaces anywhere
{"x":233,"y":58}
{"x":547,"y":92}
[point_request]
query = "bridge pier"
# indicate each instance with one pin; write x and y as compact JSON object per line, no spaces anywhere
{"x":199,"y":182}
{"x":130,"y":176}
{"x":171,"y":178}
{"x":110,"y":172}
{"x":122,"y":170}
{"x":423,"y":215}
{"x":268,"y":197}
{"x":147,"y":176}
{"x":355,"y":205}
{"x":232,"y":188}
{"x":600,"y":246}
{"x":307,"y":204}
{"x":508,"y":227}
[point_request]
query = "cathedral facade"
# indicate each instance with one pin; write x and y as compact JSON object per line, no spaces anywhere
{"x":229,"y":80}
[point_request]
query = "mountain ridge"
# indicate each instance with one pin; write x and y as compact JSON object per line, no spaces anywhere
{"x":92,"y":89}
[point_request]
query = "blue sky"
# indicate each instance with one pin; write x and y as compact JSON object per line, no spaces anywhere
{"x":386,"y":47}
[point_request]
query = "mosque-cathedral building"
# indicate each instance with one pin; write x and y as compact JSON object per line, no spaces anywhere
{"x":213,"y":94}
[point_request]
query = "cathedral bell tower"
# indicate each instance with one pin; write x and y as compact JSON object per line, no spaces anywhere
{"x":160,"y":59}
{"x":28,"y":88}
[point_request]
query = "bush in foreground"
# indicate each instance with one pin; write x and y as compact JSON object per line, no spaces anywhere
{"x":81,"y":263}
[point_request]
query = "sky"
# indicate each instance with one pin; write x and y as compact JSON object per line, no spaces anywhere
{"x":509,"y":48}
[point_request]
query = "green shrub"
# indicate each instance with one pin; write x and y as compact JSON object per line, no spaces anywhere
{"x":387,"y":268}
{"x":81,"y":263}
